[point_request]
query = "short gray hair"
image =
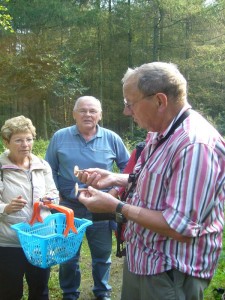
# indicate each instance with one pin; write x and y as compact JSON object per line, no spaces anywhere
{"x":18,"y":124}
{"x":95,"y":100}
{"x":159,"y":77}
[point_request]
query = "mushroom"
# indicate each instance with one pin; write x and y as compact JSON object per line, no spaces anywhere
{"x":77,"y":189}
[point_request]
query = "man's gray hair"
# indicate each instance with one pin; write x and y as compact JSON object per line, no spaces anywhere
{"x":158,"y":77}
{"x":95,"y":100}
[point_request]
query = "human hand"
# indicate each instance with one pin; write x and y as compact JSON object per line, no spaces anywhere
{"x":113,"y":192}
{"x":50,"y":198}
{"x":16,"y":204}
{"x":98,"y":201}
{"x":98,"y":178}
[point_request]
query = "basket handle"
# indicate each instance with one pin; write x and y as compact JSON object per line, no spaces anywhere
{"x":36,"y":214}
{"x":67,"y":211}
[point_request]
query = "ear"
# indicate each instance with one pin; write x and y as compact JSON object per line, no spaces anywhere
{"x":162,"y":101}
{"x":100,"y":116}
{"x":74,"y":117}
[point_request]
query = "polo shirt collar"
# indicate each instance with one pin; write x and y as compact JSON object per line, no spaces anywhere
{"x":98,"y":133}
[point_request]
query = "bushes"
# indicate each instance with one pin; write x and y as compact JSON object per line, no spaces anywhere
{"x":1,"y":146}
{"x":40,"y":147}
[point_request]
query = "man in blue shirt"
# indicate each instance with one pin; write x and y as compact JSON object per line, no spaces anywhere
{"x":86,"y":145}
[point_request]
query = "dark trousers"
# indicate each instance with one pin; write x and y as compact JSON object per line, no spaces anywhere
{"x":13,"y":267}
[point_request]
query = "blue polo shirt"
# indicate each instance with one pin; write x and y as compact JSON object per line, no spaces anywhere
{"x":68,"y":148}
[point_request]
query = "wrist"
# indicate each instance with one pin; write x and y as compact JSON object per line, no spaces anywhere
{"x":119,"y":215}
{"x":121,"y":180}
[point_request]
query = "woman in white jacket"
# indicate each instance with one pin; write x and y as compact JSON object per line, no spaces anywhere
{"x":25,"y":178}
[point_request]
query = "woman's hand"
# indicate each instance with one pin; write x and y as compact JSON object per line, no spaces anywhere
{"x":16,"y":204}
{"x":50,"y":198}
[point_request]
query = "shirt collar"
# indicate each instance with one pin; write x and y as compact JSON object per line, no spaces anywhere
{"x":98,"y":133}
{"x":161,"y":135}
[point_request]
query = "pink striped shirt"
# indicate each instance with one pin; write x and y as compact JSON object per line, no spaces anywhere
{"x":185,"y":179}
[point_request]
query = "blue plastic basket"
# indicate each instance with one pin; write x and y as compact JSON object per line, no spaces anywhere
{"x":45,"y":245}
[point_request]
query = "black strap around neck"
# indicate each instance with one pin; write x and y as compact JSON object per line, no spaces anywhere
{"x":171,"y":131}
{"x":134,"y":177}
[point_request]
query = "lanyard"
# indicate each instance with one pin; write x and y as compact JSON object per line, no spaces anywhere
{"x":134,"y":177}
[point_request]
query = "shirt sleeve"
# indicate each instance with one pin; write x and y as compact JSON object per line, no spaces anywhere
{"x":122,"y":154}
{"x":193,"y":186}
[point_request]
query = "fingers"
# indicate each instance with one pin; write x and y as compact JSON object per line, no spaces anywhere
{"x":87,"y":192}
{"x":19,"y":201}
{"x":16,"y":204}
{"x":90,"y":178}
{"x":86,"y":197}
{"x":98,"y":201}
{"x":77,"y":189}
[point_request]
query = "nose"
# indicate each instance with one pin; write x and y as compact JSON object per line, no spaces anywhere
{"x":25,"y":143}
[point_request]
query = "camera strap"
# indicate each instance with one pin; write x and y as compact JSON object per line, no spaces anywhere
{"x":132,"y":180}
{"x":134,"y":177}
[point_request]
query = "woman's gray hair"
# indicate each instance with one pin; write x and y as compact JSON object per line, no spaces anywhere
{"x":95,"y":100}
{"x":18,"y":124}
{"x":158,"y":77}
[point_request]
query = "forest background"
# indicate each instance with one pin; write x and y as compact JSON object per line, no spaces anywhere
{"x":51,"y":52}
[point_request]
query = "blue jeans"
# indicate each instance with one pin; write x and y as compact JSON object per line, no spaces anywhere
{"x":99,"y":237}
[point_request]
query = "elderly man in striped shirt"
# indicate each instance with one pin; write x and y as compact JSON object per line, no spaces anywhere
{"x":175,"y":196}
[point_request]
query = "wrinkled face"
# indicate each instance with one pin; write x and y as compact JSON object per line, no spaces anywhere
{"x":20,"y":145}
{"x":87,"y":114}
{"x":143,"y":108}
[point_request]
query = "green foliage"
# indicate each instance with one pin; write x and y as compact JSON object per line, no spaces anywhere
{"x":61,"y":49}
{"x":134,"y":137}
{"x":40,"y":147}
{"x":1,"y":146}
{"x":5,"y":18}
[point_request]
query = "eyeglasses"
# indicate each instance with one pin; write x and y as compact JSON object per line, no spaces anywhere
{"x":131,"y":105}
{"x":83,"y":112}
{"x":23,"y":141}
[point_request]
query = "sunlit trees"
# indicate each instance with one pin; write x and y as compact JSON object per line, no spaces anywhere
{"x":62,"y":49}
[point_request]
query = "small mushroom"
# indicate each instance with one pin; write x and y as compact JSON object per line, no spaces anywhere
{"x":76,"y":171}
{"x":77,"y":189}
